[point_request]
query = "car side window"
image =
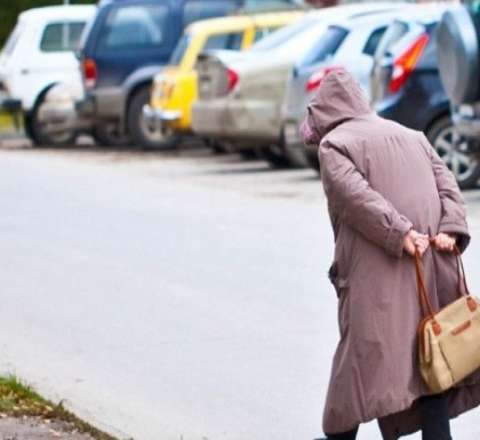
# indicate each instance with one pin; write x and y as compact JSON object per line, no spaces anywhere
{"x":373,"y":41}
{"x":199,"y":10}
{"x":135,"y":27}
{"x":232,"y":40}
{"x":263,"y":32}
{"x":61,"y":37}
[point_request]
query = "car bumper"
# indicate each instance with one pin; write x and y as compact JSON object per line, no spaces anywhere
{"x":105,"y":103}
{"x":235,"y":120}
{"x":159,"y":116}
{"x":10,"y":105}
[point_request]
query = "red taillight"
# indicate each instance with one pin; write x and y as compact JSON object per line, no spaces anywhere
{"x":90,"y":73}
{"x":405,"y":64}
{"x":316,"y":79}
{"x":232,"y":79}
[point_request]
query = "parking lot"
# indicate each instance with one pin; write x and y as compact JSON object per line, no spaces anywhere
{"x":176,"y":295}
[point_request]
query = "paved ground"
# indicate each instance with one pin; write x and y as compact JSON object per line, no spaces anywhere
{"x":174,"y":296}
{"x":33,"y":428}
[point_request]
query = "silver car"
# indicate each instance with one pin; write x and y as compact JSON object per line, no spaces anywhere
{"x":240,"y":97}
{"x":348,"y":44}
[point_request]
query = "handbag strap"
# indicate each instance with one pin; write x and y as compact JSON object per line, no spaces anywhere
{"x":422,"y":290}
{"x":421,"y":285}
{"x":462,"y":279}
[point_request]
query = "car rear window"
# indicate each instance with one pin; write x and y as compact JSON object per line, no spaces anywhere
{"x":429,"y":58}
{"x":199,"y":10}
{"x":61,"y":37}
{"x":327,"y":45}
{"x":231,"y":41}
{"x":268,"y":5}
{"x":135,"y":27}
{"x":391,"y":36}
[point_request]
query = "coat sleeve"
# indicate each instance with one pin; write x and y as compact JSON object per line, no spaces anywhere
{"x":357,"y":204}
{"x":453,"y":219}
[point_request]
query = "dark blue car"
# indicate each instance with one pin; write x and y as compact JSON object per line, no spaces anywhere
{"x":407,"y":88}
{"x":125,"y":46}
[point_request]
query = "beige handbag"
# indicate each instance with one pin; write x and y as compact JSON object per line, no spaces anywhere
{"x":449,"y":340}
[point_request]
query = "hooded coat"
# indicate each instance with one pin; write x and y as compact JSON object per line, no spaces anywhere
{"x":382,"y":179}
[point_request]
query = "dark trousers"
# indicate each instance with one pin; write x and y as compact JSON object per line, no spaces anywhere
{"x":435,"y":420}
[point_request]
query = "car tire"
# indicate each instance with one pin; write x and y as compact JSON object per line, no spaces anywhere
{"x":453,"y":150}
{"x":296,"y":156}
{"x":108,"y":134}
{"x":312,"y":157}
{"x":141,"y":134}
{"x":248,"y":154}
{"x":35,"y":130}
{"x":275,"y":156}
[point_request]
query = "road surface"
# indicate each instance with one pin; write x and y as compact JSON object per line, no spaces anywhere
{"x":174,"y":296}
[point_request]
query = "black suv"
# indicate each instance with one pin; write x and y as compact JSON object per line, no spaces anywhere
{"x":126,"y":45}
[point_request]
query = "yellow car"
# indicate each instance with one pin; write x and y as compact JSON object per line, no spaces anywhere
{"x":175,"y":89}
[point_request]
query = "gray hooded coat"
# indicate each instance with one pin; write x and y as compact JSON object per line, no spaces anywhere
{"x":381,"y":179}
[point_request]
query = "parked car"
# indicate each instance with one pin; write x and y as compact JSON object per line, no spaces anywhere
{"x":459,"y":64}
{"x":175,"y":87}
{"x":126,"y":45}
{"x":350,"y":44}
{"x":39,"y":54}
{"x":240,"y":98}
{"x":406,"y":76}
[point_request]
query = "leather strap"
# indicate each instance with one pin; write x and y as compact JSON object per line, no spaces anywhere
{"x":422,"y":290}
{"x":421,"y":285}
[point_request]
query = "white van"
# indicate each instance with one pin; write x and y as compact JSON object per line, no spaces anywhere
{"x":38,"y":55}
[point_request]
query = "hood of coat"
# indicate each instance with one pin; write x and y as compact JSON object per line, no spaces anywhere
{"x":338,"y":99}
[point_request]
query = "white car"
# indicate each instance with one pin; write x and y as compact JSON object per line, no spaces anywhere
{"x":39,"y":55}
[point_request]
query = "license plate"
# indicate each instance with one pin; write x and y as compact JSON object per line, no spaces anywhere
{"x":466,"y":110}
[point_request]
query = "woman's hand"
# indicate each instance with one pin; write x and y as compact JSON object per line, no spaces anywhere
{"x":414,"y":240}
{"x":444,"y":242}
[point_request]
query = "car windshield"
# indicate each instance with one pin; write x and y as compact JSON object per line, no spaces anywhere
{"x":135,"y":27}
{"x":180,"y":50}
{"x":288,"y":34}
{"x":13,"y":39}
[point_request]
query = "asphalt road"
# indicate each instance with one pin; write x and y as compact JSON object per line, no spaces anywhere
{"x":173,"y":296}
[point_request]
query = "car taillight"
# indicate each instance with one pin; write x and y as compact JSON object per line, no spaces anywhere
{"x":406,"y":63}
{"x":90,"y":72}
{"x":316,"y":79}
{"x":232,"y":79}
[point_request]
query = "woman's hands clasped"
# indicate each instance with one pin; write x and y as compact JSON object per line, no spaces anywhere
{"x":415,"y":240}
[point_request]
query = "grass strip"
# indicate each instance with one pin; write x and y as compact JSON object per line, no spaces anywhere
{"x":18,"y":399}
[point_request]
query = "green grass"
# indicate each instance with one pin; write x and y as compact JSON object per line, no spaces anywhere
{"x":18,"y":399}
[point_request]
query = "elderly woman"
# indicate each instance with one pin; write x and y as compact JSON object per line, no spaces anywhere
{"x":386,"y":189}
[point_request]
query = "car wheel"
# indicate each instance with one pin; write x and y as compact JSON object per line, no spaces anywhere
{"x":312,"y":157}
{"x":142,"y":133}
{"x":36,"y":130}
{"x":454,"y":151}
{"x":296,"y":156}
{"x":275,"y":156}
{"x":108,"y":134}
{"x":248,"y":154}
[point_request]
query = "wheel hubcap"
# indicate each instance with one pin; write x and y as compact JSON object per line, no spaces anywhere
{"x":453,"y":149}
